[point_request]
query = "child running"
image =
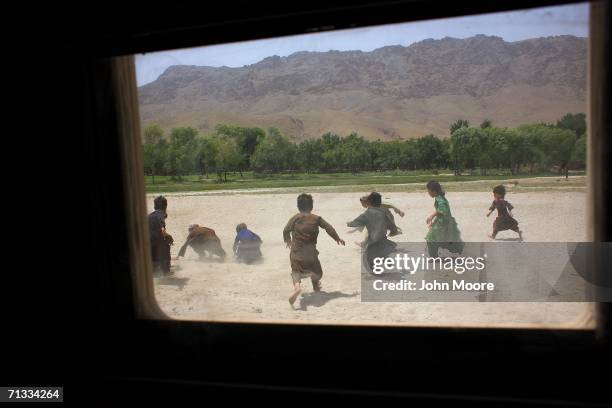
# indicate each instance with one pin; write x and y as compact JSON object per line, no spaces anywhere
{"x":247,"y":244}
{"x":300,"y":235}
{"x":377,"y":223}
{"x":443,"y":229}
{"x":393,"y":228}
{"x":505,"y":220}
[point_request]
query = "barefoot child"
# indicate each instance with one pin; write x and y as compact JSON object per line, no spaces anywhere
{"x":443,"y":229}
{"x":300,"y":234}
{"x":505,"y":220}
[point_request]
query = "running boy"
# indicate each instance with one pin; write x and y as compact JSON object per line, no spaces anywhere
{"x":300,"y":234}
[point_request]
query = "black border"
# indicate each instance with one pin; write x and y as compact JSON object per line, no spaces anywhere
{"x":128,"y":354}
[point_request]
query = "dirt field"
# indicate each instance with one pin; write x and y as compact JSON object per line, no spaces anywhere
{"x":233,"y":291}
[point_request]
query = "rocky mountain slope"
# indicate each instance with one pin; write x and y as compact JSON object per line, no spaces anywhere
{"x":391,"y":92}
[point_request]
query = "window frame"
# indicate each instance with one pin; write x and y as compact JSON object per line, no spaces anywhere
{"x":214,"y":344}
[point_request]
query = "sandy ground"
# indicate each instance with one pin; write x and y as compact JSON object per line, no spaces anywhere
{"x":233,"y":291}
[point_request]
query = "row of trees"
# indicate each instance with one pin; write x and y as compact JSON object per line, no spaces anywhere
{"x":529,"y":147}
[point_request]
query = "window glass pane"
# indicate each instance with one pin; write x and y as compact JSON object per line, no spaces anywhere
{"x":233,"y":133}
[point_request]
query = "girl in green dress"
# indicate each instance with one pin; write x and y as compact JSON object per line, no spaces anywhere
{"x":443,"y":230}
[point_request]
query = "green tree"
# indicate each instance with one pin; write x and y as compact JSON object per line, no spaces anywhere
{"x":430,"y":152}
{"x":153,"y":134}
{"x":154,"y":150}
{"x":579,"y":153}
{"x":247,"y":139}
{"x":394,"y":154}
{"x":576,"y":122}
{"x":206,"y":154}
{"x":464,"y":149}
{"x":227,"y":157}
{"x":486,"y":124}
{"x":355,"y":153}
{"x":560,"y":143}
{"x":538,"y":154}
{"x":310,"y":155}
{"x":180,"y":160}
{"x":458,"y":124}
{"x":274,"y":153}
{"x":332,"y":154}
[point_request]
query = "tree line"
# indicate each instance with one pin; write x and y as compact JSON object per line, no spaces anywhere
{"x":559,"y":146}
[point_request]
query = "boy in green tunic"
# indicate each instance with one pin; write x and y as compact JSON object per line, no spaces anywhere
{"x":443,"y":230}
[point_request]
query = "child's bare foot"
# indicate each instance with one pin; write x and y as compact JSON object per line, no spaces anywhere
{"x":490,"y":236}
{"x":316,"y":286}
{"x":294,"y":296}
{"x":520,"y":235}
{"x":359,"y":244}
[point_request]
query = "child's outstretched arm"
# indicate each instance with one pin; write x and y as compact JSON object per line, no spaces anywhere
{"x":395,"y":209}
{"x":188,"y":240}
{"x":330,"y":231}
{"x":358,"y":222}
{"x":491,"y":208}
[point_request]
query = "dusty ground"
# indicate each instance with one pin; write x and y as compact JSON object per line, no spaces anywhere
{"x":232,"y":291}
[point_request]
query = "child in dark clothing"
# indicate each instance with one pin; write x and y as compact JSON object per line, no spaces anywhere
{"x":160,"y":239}
{"x":247,"y":244}
{"x":505,"y":220}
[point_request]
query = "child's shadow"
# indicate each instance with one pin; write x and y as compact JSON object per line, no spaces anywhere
{"x":508,"y":239}
{"x":173,"y":281}
{"x":318,"y":299}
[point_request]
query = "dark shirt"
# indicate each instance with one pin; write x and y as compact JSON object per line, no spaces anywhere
{"x":156,"y":223}
{"x":502,"y":207}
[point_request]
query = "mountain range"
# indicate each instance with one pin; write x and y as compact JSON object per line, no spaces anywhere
{"x":388,"y":93}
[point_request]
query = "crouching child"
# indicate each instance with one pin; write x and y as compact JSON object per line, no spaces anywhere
{"x":247,"y":245}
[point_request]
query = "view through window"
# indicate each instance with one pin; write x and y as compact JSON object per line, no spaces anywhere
{"x":445,"y":139}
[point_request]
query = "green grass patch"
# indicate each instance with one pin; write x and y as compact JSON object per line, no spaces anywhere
{"x":350,"y":181}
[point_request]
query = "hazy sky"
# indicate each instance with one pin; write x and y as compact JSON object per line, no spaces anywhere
{"x":511,"y":26}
